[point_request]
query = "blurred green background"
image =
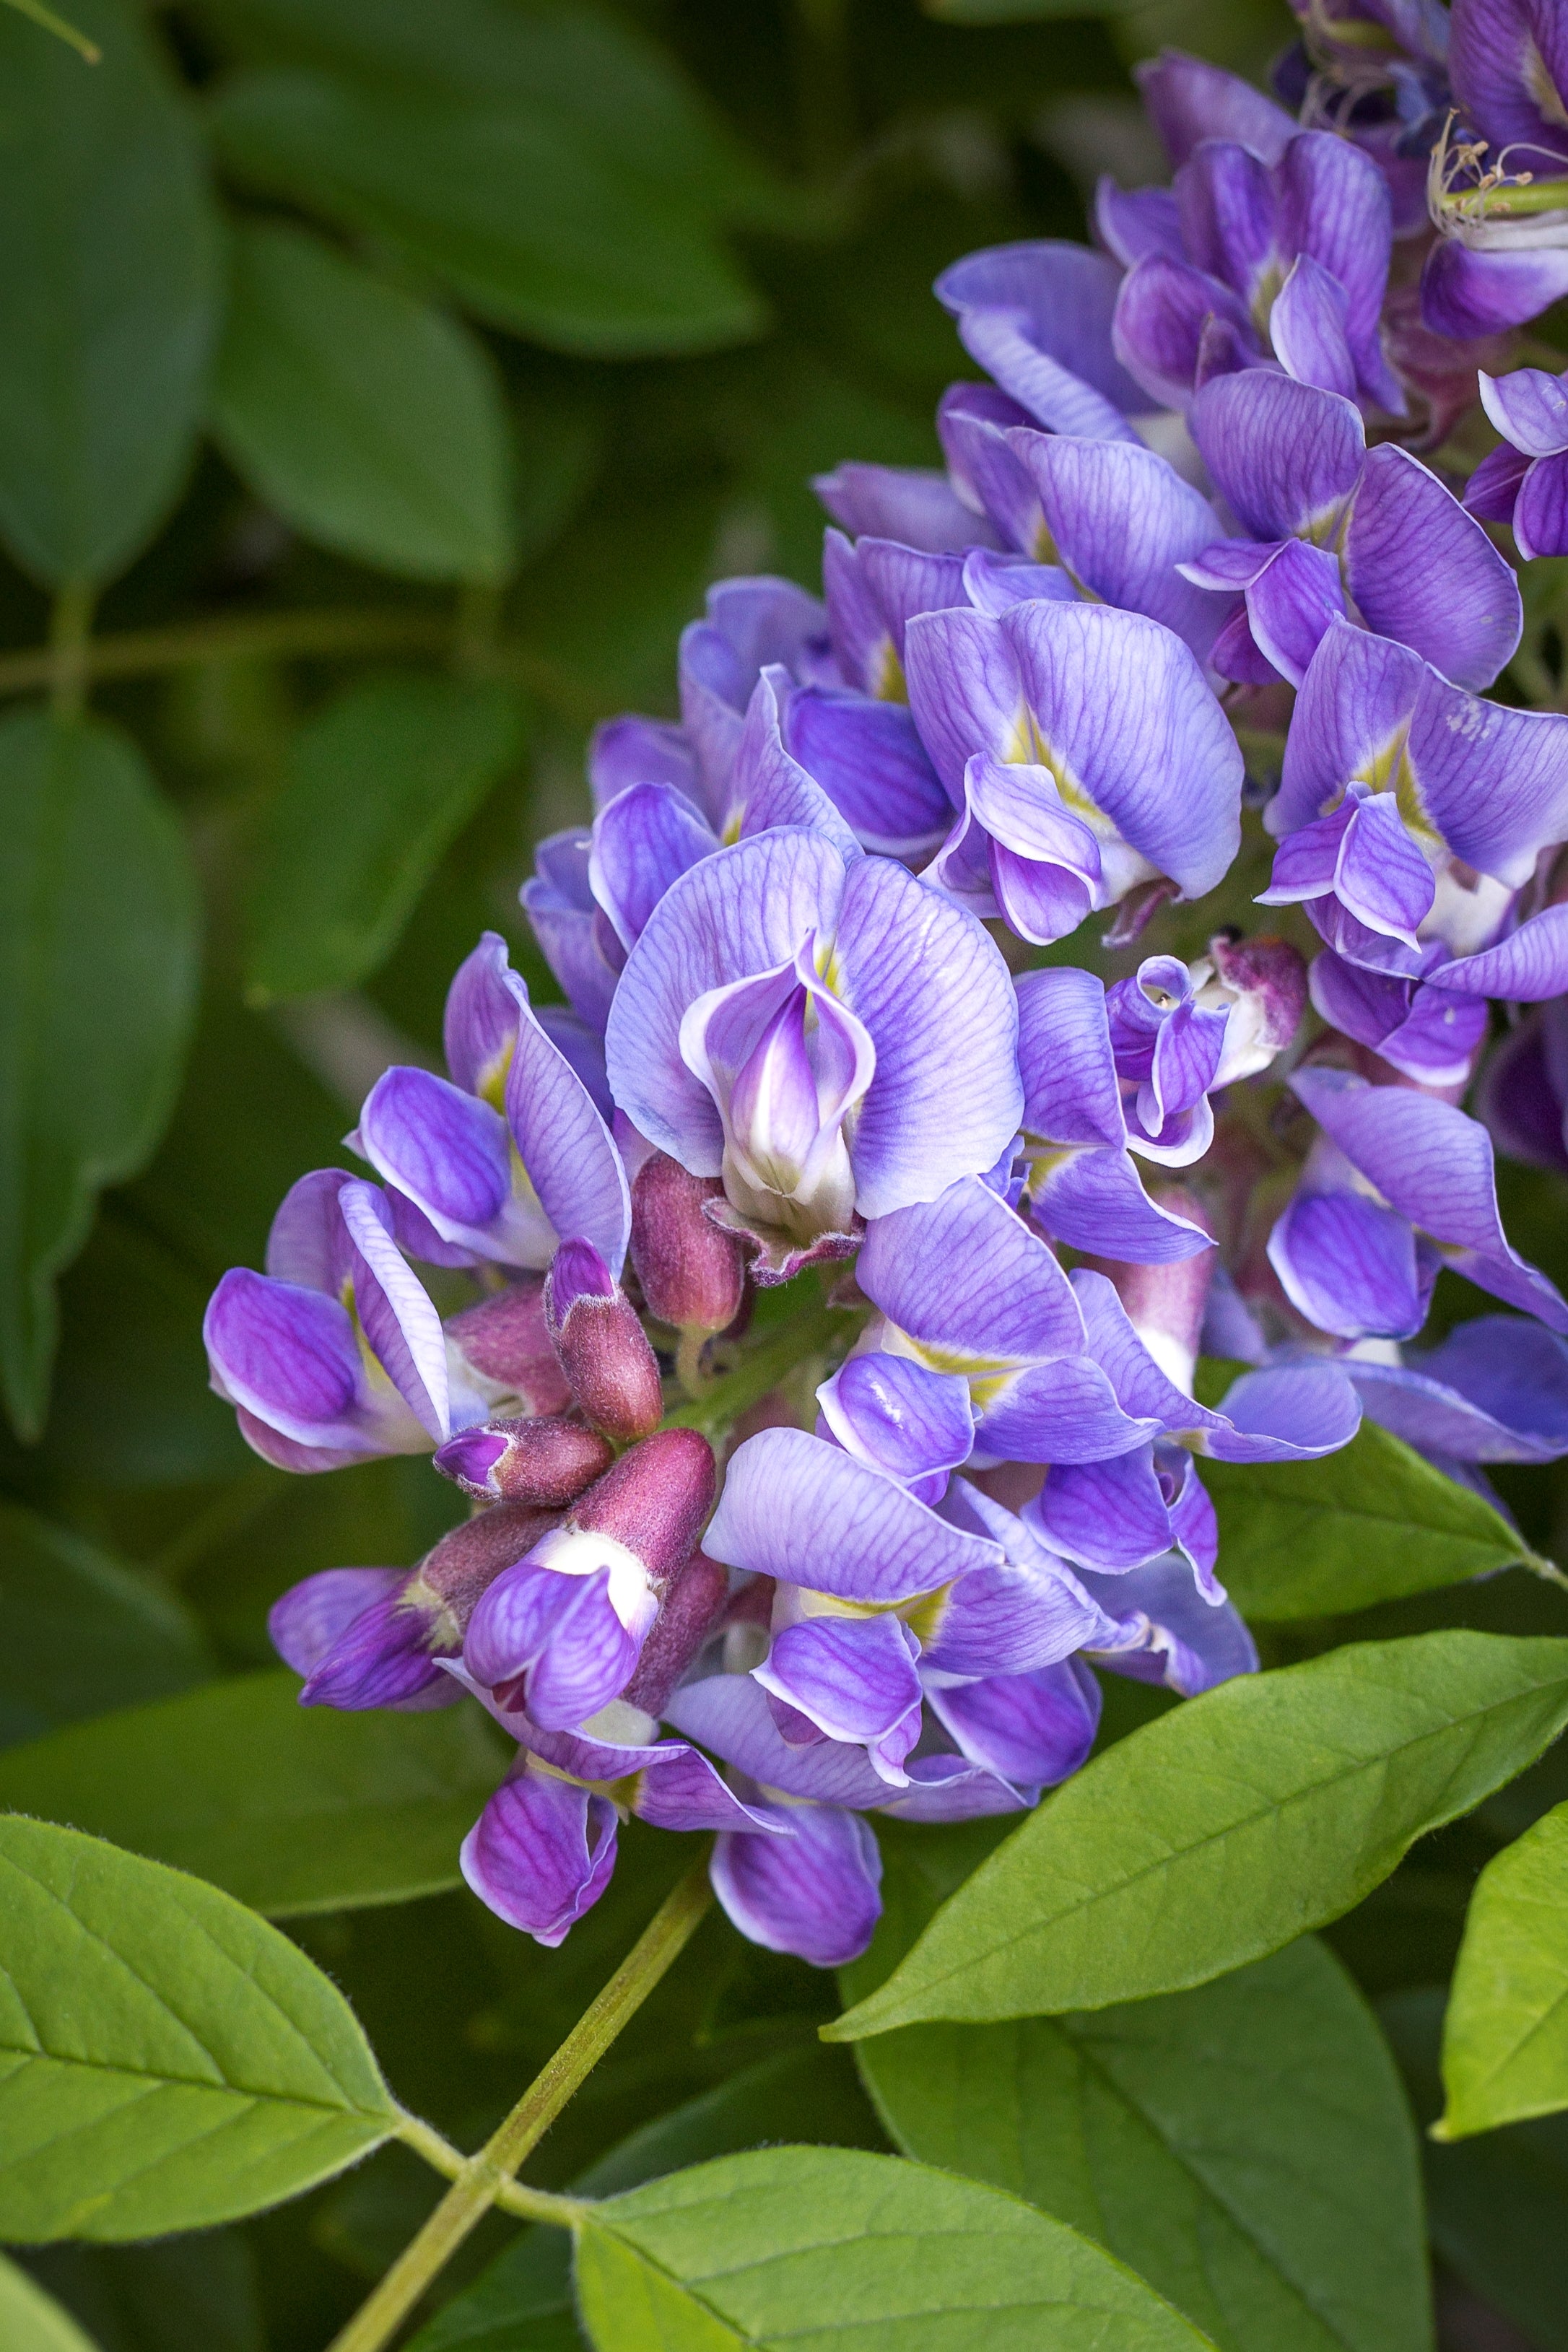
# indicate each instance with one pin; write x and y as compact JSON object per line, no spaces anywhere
{"x":382,"y":381}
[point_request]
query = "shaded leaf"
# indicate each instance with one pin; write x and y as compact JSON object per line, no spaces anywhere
{"x":1372,"y":1522}
{"x":378,"y":785}
{"x":841,"y":2248}
{"x":166,"y":2058}
{"x":1505,"y":2039}
{"x":98,"y":977}
{"x":1228,"y":1827}
{"x":290,"y":1808}
{"x":1494,"y":2204}
{"x":109,"y":287}
{"x":365,"y":418}
{"x":195,"y":2292}
{"x":1247,"y":2147}
{"x":794,"y":2095}
{"x":32,"y":2321}
{"x":82,"y":1633}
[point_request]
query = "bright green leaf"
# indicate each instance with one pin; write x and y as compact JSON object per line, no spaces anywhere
{"x":291,"y":1808}
{"x":1228,"y":1827}
{"x":1247,"y":2147}
{"x":530,"y":226}
{"x":836,"y":2249}
{"x":109,"y":291}
{"x":82,"y":1633}
{"x":366,"y":419}
{"x":32,"y":2321}
{"x":378,"y":785}
{"x":789,"y":2096}
{"x":1374,"y":1522}
{"x":166,"y":2058}
{"x":1505,"y":2039}
{"x":1494,"y":2204}
{"x":97,"y":980}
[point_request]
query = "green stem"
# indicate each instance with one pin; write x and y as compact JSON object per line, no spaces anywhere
{"x":725,"y":1400}
{"x":485,"y":2180}
{"x":68,"y":653}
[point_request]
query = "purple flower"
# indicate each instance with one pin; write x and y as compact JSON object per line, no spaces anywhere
{"x":1037,"y":318}
{"x":830,"y":1036}
{"x":336,"y":1353}
{"x":1333,"y":528}
{"x":1430,"y":1035}
{"x":1523,"y":1094}
{"x":1525,"y":482}
{"x":500,"y":1162}
{"x":1498,"y":197}
{"x":1085,"y":753}
{"x":1287,"y":258}
{"x":1409,"y":813}
{"x":1495,"y":1391}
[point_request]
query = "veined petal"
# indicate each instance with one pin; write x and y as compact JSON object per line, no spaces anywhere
{"x":643,"y":841}
{"x":1350,"y":1266}
{"x":1042,"y":311}
{"x":898,"y":1415}
{"x":396,"y":1311}
{"x":1189,"y":100}
{"x":915,"y":504}
{"x":1307,"y":329}
{"x":1162,"y":312}
{"x":1496,"y":1390}
{"x":1541,"y":509}
{"x":1033,"y":1729}
{"x":730,"y":1714}
{"x":869,"y":760}
{"x":965,"y":1278}
{"x":1351,"y":722}
{"x":855,"y":1678}
{"x":1423,"y":570}
{"x":1529,"y":408}
{"x":1285,"y":455}
{"x":815,"y":1893}
{"x":542,"y":1852}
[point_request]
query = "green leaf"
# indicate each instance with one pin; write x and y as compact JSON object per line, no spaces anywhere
{"x":166,"y":2058}
{"x":194,"y":2292}
{"x":532,"y":226}
{"x":98,"y":982}
{"x":1246,"y":2145}
{"x":1374,"y":1522}
{"x":378,"y":785}
{"x":109,"y":291}
{"x":1494,"y":2204}
{"x":82,"y":1633}
{"x":366,"y":419}
{"x":1228,"y":1827}
{"x":291,"y":1808}
{"x":837,"y":2249}
{"x":32,"y":2321}
{"x":789,"y":2096}
{"x":1505,"y":2041}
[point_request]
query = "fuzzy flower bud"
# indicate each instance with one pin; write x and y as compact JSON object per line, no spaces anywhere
{"x":692,"y":1272}
{"x":545,"y":1461}
{"x":603,"y":1348}
{"x":505,"y":1342}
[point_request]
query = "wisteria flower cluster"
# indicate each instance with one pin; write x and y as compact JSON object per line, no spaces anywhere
{"x":822,"y":1030}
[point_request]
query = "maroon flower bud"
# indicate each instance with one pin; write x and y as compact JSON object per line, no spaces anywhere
{"x":1166,"y":1304}
{"x":653,"y":1501}
{"x":506,"y":1342}
{"x":450,"y":1578}
{"x":545,"y":1461}
{"x":691,"y":1271}
{"x":689,"y":1610}
{"x":603,"y":1348}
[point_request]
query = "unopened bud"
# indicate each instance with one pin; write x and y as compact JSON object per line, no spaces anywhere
{"x":654,"y":1500}
{"x":688,"y":1613}
{"x":451,"y":1577}
{"x":545,"y":1461}
{"x":692,"y":1272}
{"x":506,"y":1341}
{"x":603,"y":1348}
{"x":1165,"y":1303}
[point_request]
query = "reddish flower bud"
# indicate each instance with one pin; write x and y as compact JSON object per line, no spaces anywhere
{"x":653,"y":1501}
{"x":689,"y":1610}
{"x":545,"y":1461}
{"x":506,"y":1342}
{"x":603,"y":1348}
{"x":1166,"y":1304}
{"x":692,"y":1272}
{"x":451,"y":1577}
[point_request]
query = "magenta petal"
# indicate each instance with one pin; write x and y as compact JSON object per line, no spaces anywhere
{"x":815,"y":1893}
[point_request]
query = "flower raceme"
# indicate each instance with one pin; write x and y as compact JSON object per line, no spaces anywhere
{"x":824,"y":1282}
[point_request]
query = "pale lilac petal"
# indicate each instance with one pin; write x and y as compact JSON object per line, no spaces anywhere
{"x":994,"y":583}
{"x":1350,"y":1266}
{"x":540,"y":1854}
{"x":1092,"y":1198}
{"x":636,"y":750}
{"x":860,"y":631}
{"x":815,"y":1893}
{"x":745,"y":910}
{"x":1227,"y":201}
{"x":1494,"y":780}
{"x":807,"y":1513}
{"x":910,"y":503}
{"x":898,"y":1415}
{"x":396,"y":1311}
{"x":1065,"y":1410}
{"x":1291,"y":605}
{"x":1065,"y":1059}
{"x":311,"y":1616}
{"x":964,"y":1275}
{"x":1285,"y":1412}
{"x":730,"y":1714}
{"x":581,"y":1048}
{"x":574,"y":939}
{"x":1529,"y":408}
{"x":937,"y":999}
{"x":1027,"y":1613}
{"x":1285,"y":455}
{"x":855,"y":1679}
{"x":1032,"y":1729}
{"x":677,"y":1788}
{"x":770,"y":787}
{"x":565,"y":1146}
{"x":1496,"y":1390}
{"x":643,"y":841}
{"x":973,"y":422}
{"x":1423,"y":570}
{"x":1526,"y":968}
{"x":1432,"y":1034}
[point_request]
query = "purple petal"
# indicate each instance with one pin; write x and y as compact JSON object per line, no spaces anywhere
{"x":1423,"y":570}
{"x":855,"y":1678}
{"x":732,"y":1714}
{"x":1162,"y":312}
{"x":288,"y":1356}
{"x":1093,"y":1199}
{"x":1350,"y":1266}
{"x":868,"y":758}
{"x":1496,"y":1390}
{"x":380,"y":1658}
{"x":1171,"y":1634}
{"x":1285,"y":455}
{"x":1466,"y":294}
{"x":1285,"y":1412}
{"x":1105,"y":1514}
{"x":1226,"y":199}
{"x":1541,"y":513}
{"x":1492,"y":489}
{"x":542,"y":1852}
{"x":1189,"y":100}
{"x":994,"y":583}
{"x":1307,"y":329}
{"x":804,"y":1511}
{"x":1336,"y":214}
{"x":1038,"y":317}
{"x":813,"y":1894}
{"x":1431,"y":1034}
{"x":450,"y":1153}
{"x":1356,"y":703}
{"x":1068,"y":1072}
{"x":1529,"y":408}
{"x":636,"y":750}
{"x":770,"y":787}
{"x":643,"y":841}
{"x":910,"y":503}
{"x":1032,"y":1729}
{"x":677,"y":1788}
{"x":574,"y":937}
{"x":1030,"y":1613}
{"x":311,"y":1616}
{"x":1292,"y":604}
{"x":1529,"y":966}
{"x":965,"y":1275}
{"x":1134,"y":222}
{"x":898,"y":1415}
